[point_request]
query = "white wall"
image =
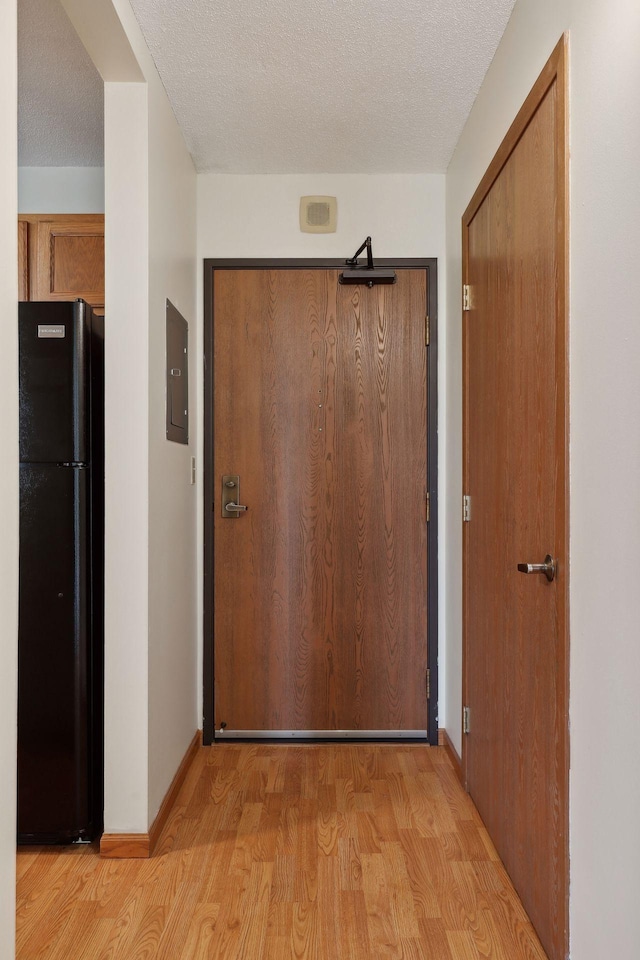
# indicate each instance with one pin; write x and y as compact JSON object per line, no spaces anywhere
{"x":8,"y":470}
{"x":126,"y":738}
{"x":61,"y":189}
{"x":173,"y":550}
{"x":605,"y":437}
{"x":605,"y":466}
{"x":150,"y":590}
{"x":258,"y":216}
{"x":172,"y":650}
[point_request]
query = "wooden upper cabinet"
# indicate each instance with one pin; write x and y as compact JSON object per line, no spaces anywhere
{"x":65,"y":257}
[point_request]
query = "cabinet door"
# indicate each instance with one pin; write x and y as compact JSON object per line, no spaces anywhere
{"x":23,"y":260}
{"x":70,"y":260}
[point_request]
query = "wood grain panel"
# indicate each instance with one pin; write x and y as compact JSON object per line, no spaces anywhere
{"x":246,"y":877}
{"x":70,"y":259}
{"x":23,"y":260}
{"x":516,"y":415}
{"x":124,"y":846}
{"x":320,"y":589}
{"x":77,"y":263}
{"x":380,"y":492}
{"x":452,"y":753}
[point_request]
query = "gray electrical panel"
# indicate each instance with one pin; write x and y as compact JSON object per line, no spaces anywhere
{"x":177,"y":376}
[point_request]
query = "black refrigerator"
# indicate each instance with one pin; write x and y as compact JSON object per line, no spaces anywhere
{"x":60,"y":638}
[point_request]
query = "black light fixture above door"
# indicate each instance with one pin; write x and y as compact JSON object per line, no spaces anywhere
{"x":366,"y":273}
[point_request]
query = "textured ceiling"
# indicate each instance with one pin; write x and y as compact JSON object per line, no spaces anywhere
{"x":60,"y":98}
{"x":274,"y":86}
{"x":334,"y":86}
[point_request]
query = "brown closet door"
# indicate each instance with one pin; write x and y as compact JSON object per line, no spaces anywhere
{"x":516,"y":645}
{"x":321,"y":585}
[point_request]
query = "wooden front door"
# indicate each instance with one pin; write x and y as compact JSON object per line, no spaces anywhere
{"x":320,"y":587}
{"x":516,"y":647}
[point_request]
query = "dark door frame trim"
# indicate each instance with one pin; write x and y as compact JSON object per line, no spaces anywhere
{"x":429,"y":264}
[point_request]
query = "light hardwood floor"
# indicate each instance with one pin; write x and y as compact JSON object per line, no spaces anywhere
{"x":318,"y":852}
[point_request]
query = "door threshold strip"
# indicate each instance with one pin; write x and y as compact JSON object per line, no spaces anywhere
{"x":320,"y":734}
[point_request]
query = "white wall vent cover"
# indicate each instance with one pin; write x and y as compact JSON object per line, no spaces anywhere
{"x":318,"y":214}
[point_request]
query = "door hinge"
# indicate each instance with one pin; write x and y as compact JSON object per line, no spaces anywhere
{"x":428,"y":682}
{"x":466,"y":296}
{"x":466,"y":508}
{"x":428,"y":507}
{"x":427,"y":330}
{"x":466,"y":726}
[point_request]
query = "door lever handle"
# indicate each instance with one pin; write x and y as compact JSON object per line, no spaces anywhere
{"x":549,"y":567}
{"x":231,"y":508}
{"x":235,"y":507}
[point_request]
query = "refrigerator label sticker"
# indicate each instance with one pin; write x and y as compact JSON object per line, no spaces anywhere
{"x":56,"y":332}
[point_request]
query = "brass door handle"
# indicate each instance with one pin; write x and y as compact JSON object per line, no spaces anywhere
{"x":549,"y":567}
